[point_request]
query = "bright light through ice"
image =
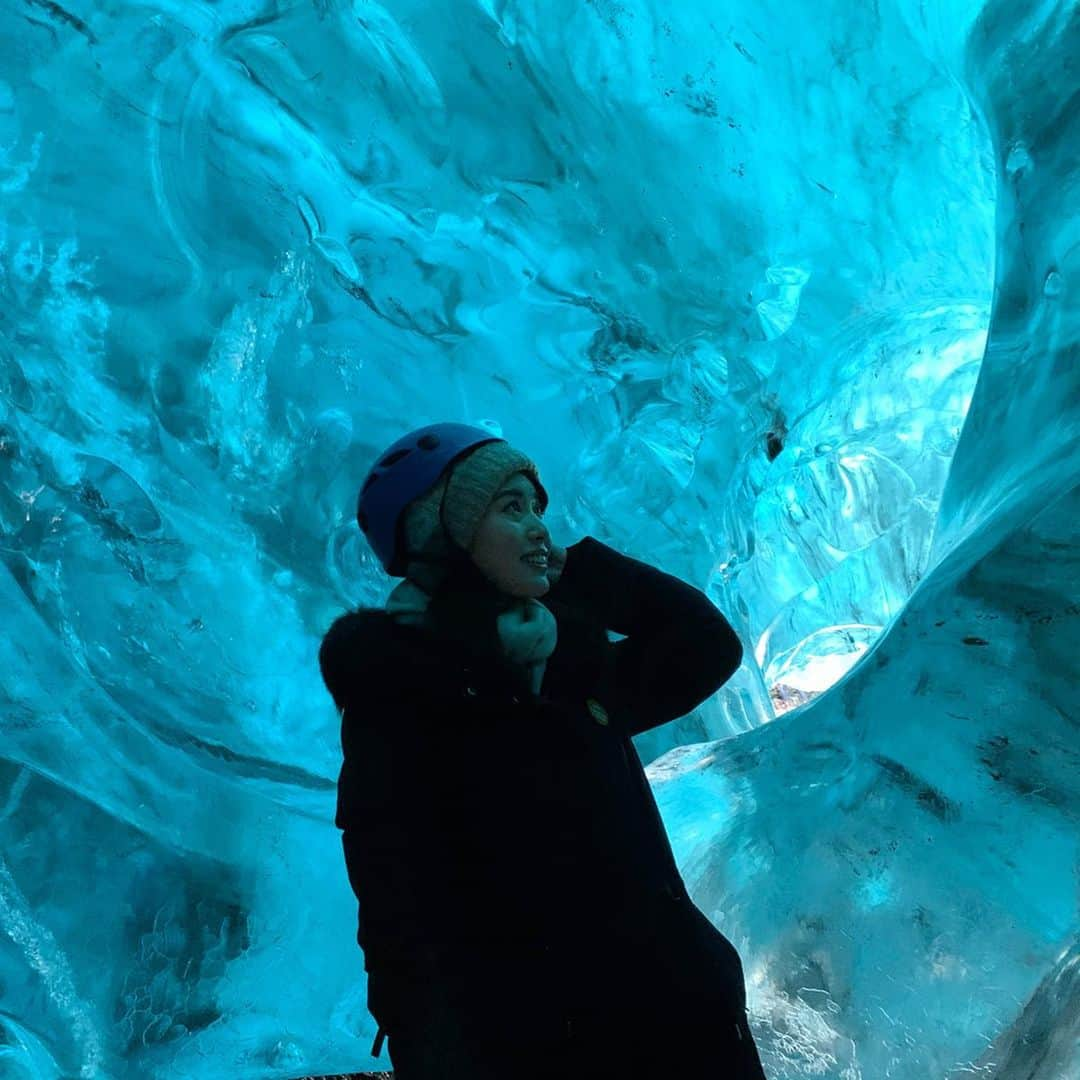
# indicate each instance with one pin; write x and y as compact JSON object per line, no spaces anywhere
{"x":816,"y":663}
{"x":821,"y":672}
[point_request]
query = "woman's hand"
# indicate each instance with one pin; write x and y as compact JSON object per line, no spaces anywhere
{"x":556,"y":563}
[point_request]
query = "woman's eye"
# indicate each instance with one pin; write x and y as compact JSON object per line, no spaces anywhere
{"x":516,"y":504}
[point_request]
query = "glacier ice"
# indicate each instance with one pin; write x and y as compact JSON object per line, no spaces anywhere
{"x":781,"y":298}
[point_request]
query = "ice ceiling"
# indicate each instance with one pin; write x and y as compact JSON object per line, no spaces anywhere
{"x":782,"y":297}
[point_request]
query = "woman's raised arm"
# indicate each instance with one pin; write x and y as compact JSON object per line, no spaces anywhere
{"x":678,"y":648}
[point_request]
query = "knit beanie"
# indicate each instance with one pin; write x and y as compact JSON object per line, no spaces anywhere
{"x":463,"y":494}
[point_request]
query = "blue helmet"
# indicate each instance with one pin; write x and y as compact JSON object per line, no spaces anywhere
{"x":403,"y":473}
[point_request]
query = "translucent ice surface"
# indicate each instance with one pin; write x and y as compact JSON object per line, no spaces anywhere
{"x":783,"y":298}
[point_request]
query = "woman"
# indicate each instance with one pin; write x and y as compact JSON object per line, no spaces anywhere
{"x":520,"y":911}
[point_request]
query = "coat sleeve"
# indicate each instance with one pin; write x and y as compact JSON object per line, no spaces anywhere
{"x":393,"y":831}
{"x":678,"y":648}
{"x":388,"y":798}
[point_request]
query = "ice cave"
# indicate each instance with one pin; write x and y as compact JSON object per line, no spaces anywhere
{"x":790,"y":311}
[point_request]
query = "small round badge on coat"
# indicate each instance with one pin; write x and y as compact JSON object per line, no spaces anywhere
{"x":599,"y":713}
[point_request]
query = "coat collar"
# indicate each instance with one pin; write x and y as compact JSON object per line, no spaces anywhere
{"x":368,"y":647}
{"x":377,"y":647}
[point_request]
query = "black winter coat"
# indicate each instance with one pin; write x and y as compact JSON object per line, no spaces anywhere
{"x":482,"y":819}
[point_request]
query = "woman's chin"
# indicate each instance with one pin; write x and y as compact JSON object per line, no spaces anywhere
{"x":530,"y":589}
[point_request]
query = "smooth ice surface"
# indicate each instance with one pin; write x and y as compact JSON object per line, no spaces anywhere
{"x":782,"y":297}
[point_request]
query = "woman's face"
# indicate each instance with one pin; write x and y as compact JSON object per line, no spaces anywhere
{"x":511,"y":529}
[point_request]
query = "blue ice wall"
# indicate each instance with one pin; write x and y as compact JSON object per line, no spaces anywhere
{"x":781,"y":297}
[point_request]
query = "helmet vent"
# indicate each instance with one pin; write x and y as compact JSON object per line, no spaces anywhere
{"x":428,"y":442}
{"x":392,"y":459}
